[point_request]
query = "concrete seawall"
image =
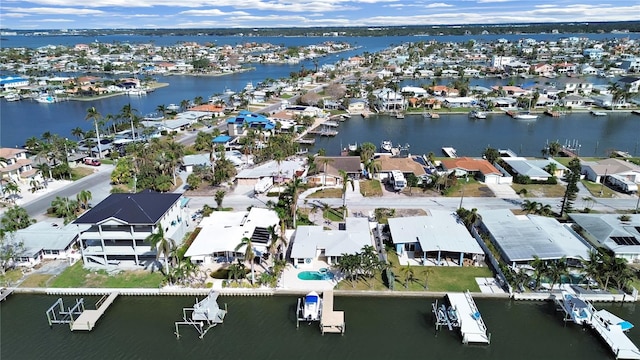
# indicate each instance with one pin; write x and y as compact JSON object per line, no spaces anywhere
{"x":546,"y":296}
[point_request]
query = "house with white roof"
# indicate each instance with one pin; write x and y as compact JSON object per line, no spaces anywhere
{"x":190,"y":161}
{"x":596,"y":170}
{"x":523,"y":167}
{"x":43,"y":241}
{"x":620,"y":234}
{"x":312,"y":243}
{"x":222,"y":231}
{"x":277,"y":172}
{"x":520,"y":238}
{"x":435,"y":239}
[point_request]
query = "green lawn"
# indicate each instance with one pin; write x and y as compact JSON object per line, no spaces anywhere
{"x":36,"y":280}
{"x":80,"y":172}
{"x":437,"y":278}
{"x":327,"y":193}
{"x":78,"y":276}
{"x":596,"y":188}
{"x":333,"y":215}
{"x":370,"y":188}
{"x":10,"y":277}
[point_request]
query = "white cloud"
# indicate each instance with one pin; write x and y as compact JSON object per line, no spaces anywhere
{"x":211,"y":12}
{"x":438,"y":5}
{"x":54,"y":11}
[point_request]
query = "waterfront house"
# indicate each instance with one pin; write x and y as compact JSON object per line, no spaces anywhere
{"x":222,"y":231}
{"x":578,"y":86}
{"x":326,"y":170}
{"x":113,"y":232}
{"x":457,"y":102}
{"x":438,"y":239}
{"x":44,"y":241}
{"x":388,"y":100}
{"x":521,"y":238}
{"x":618,"y":233}
{"x":311,"y":243}
{"x":522,"y":166}
{"x":576,"y":101}
{"x":406,"y":165}
{"x":12,"y":82}
{"x":543,"y":69}
{"x":629,"y":83}
{"x":357,"y":106}
{"x":248,"y":120}
{"x":596,"y":170}
{"x":480,"y":169}
{"x":17,"y":167}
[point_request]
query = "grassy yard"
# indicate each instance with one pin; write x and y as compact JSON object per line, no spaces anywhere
{"x":78,"y":276}
{"x":436,"y":278}
{"x":596,"y":188}
{"x":370,"y":188}
{"x":10,"y":277}
{"x":36,"y":280}
{"x":472,"y":188}
{"x":540,"y":190}
{"x":80,"y":172}
{"x":327,"y":193}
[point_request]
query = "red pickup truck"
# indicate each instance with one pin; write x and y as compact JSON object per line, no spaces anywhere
{"x":92,"y":161}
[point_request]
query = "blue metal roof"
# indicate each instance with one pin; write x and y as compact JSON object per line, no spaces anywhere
{"x":222,"y":139}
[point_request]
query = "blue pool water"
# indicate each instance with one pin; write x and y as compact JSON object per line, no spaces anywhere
{"x":315,"y":275}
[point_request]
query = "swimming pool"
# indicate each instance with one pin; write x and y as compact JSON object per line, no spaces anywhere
{"x":315,"y":275}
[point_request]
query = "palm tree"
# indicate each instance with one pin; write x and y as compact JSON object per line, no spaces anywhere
{"x":162,"y":245}
{"x":162,"y":109}
{"x":64,"y":208}
{"x":556,"y":270}
{"x":408,"y":273}
{"x":237,"y":271}
{"x":345,"y":180}
{"x":529,"y":206}
{"x":540,"y":269}
{"x":219,"y":196}
{"x":294,"y":186}
{"x":83,"y":197}
{"x":324,"y":161}
{"x":93,"y":114}
{"x":249,"y":255}
{"x":367,"y":150}
{"x":12,"y":189}
{"x":127,"y":112}
{"x":372,"y":167}
{"x":77,"y":132}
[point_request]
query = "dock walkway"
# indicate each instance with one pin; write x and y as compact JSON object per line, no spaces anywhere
{"x":5,"y":293}
{"x":331,"y":321}
{"x":610,"y":329}
{"x":88,"y":319}
{"x":472,"y":326}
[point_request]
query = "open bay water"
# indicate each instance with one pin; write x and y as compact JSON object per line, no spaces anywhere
{"x":265,"y":328}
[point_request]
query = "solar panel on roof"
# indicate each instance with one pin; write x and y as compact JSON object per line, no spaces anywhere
{"x":625,"y":240}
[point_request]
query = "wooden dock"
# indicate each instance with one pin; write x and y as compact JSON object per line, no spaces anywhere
{"x":88,"y":319}
{"x":331,"y":321}
{"x":306,"y":141}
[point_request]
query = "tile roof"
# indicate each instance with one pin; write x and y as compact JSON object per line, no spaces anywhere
{"x":470,"y":164}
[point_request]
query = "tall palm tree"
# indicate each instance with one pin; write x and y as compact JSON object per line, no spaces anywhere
{"x":127,"y":112}
{"x":540,"y":269}
{"x":556,"y":270}
{"x":249,"y":255}
{"x":93,"y":114}
{"x":83,"y":197}
{"x":12,"y":189}
{"x":408,"y":273}
{"x":529,"y":206}
{"x":293,"y":187}
{"x":162,"y":245}
{"x":78,"y":132}
{"x":324,"y":161}
{"x":345,"y":181}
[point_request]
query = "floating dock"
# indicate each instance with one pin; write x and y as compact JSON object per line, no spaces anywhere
{"x":331,"y":321}
{"x":330,"y":123}
{"x":88,"y":318}
{"x":472,"y":327}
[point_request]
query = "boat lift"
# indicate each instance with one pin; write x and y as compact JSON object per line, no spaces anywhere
{"x":203,"y":315}
{"x":58,"y":314}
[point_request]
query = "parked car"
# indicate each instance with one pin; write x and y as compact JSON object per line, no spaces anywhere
{"x":92,"y":161}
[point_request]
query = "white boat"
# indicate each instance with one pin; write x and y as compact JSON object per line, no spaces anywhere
{"x":46,"y":99}
{"x":312,"y":307}
{"x":598,"y":113}
{"x":386,"y":145}
{"x":12,"y":97}
{"x":477,"y":114}
{"x":525,"y":116}
{"x":576,"y":309}
{"x":173,"y":107}
{"x":450,"y":152}
{"x":353,"y":147}
{"x":136,"y":92}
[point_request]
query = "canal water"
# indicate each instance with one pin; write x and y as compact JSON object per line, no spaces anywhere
{"x":265,"y":328}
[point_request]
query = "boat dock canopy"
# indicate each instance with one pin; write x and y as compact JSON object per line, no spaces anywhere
{"x":472,"y":326}
{"x":331,"y":321}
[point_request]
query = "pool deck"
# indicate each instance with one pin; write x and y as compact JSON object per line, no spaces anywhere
{"x":290,"y":280}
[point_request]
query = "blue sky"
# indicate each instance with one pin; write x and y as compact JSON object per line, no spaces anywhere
{"x":82,"y":14}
